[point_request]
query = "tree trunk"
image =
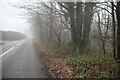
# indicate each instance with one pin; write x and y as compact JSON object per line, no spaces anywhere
{"x":51,"y":25}
{"x":79,"y":24}
{"x":118,"y":36}
{"x":87,"y":23}
{"x":71,"y":12}
{"x":114,"y":31}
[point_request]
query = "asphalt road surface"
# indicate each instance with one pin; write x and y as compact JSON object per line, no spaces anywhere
{"x":21,"y":60}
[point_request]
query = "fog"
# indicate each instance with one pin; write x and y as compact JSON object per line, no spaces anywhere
{"x":9,"y":18}
{"x":62,"y":32}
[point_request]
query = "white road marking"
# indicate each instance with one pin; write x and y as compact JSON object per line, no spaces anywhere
{"x":7,"y":51}
{"x":10,"y":49}
{"x":19,"y":43}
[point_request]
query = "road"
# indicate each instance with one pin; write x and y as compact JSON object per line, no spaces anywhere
{"x":21,"y":60}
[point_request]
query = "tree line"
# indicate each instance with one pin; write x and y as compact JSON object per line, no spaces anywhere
{"x":80,"y":25}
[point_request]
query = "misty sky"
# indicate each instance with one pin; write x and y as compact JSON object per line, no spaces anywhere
{"x":9,"y":18}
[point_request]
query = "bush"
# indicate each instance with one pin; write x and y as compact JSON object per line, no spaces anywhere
{"x":65,"y":49}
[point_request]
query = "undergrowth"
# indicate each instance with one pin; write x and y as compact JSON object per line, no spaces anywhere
{"x":89,"y":66}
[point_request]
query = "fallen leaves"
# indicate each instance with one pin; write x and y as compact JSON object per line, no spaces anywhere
{"x":58,"y":68}
{"x":55,"y":64}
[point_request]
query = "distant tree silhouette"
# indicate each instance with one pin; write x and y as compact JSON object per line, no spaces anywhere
{"x":11,"y":35}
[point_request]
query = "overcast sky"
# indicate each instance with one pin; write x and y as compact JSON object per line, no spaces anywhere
{"x":9,"y":18}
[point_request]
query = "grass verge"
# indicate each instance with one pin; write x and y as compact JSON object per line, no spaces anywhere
{"x":89,"y":66}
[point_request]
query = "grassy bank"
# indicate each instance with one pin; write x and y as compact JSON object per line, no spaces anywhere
{"x":89,"y":66}
{"x":75,"y":65}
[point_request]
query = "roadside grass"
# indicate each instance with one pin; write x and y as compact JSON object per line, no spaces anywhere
{"x":75,"y":65}
{"x":89,"y":66}
{"x":67,"y":50}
